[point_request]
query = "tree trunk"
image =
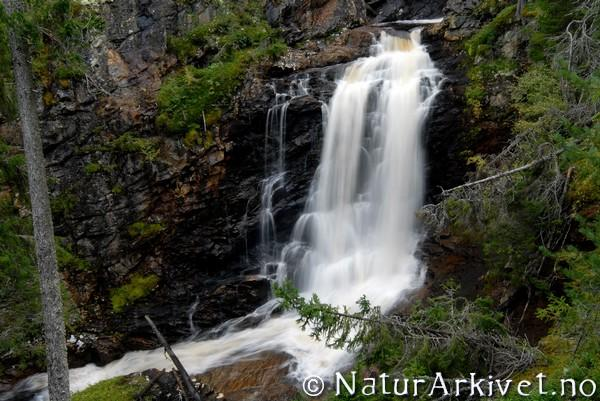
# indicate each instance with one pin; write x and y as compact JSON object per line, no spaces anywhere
{"x":43,"y":231}
{"x":520,"y":7}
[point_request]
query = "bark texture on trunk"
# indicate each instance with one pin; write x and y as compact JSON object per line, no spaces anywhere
{"x":520,"y":7}
{"x":43,"y":231}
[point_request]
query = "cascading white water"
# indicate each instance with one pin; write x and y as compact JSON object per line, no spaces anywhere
{"x":358,"y":235}
{"x":275,"y":137}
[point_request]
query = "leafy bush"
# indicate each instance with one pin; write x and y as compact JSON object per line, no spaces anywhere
{"x":138,"y":287}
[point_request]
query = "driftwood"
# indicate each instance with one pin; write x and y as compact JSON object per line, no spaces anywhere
{"x":185,"y":377}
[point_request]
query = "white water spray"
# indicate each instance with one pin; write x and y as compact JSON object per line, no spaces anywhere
{"x":358,"y":235}
{"x":275,"y":138}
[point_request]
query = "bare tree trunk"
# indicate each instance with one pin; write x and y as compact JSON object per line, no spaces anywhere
{"x":43,"y":231}
{"x":520,"y":7}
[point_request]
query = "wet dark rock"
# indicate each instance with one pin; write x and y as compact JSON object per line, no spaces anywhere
{"x":304,"y":19}
{"x":207,"y":201}
{"x":416,"y":9}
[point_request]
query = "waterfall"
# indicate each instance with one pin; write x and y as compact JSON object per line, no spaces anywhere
{"x":275,"y":137}
{"x":358,"y":234}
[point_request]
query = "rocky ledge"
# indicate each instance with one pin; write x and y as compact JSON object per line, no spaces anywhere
{"x":201,"y":205}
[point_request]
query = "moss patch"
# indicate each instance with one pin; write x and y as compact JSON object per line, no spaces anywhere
{"x":482,"y":41}
{"x":138,"y":287}
{"x":142,"y":230}
{"x":235,"y":40}
{"x":127,"y":142}
{"x":117,"y":389}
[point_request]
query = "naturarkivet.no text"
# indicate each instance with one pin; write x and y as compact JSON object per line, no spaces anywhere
{"x":439,"y":386}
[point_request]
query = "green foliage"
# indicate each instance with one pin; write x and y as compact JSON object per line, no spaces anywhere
{"x":20,"y":304}
{"x":68,"y":260}
{"x":117,"y":189}
{"x":8,"y":108}
{"x":584,"y":155}
{"x":480,"y":43}
{"x":57,"y":32}
{"x":185,"y":95}
{"x":92,"y":168}
{"x":138,"y":287}
{"x":539,"y":102}
{"x":339,"y":328}
{"x":129,"y":143}
{"x":63,"y":203}
{"x":492,"y":7}
{"x":447,"y":334}
{"x":552,"y":15}
{"x":124,"y":143}
{"x":481,"y":74}
{"x":235,"y":40}
{"x":12,"y":167}
{"x":116,"y":389}
{"x":522,"y":222}
{"x":571,"y":349}
{"x":142,"y":230}
{"x":21,"y":342}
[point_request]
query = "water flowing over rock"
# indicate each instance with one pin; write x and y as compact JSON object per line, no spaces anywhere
{"x":209,"y":201}
{"x":358,"y":235}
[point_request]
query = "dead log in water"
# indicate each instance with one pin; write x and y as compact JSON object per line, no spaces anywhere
{"x":187,"y":381}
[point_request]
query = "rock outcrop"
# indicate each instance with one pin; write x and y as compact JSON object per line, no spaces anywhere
{"x":203,"y":203}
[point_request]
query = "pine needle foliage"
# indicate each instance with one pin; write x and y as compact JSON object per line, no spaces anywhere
{"x":448,"y":334}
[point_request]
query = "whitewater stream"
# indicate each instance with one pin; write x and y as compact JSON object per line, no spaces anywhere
{"x":358,"y":234}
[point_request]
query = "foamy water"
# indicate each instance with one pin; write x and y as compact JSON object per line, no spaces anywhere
{"x":359,"y":233}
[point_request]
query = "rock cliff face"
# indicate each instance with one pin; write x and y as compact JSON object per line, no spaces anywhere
{"x":204,"y":202}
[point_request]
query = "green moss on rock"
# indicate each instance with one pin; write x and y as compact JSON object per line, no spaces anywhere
{"x":138,"y":287}
{"x":480,"y":43}
{"x":142,"y":230}
{"x":116,"y":389}
{"x":235,"y":40}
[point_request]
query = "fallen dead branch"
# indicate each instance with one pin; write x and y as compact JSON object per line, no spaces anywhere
{"x":185,"y":377}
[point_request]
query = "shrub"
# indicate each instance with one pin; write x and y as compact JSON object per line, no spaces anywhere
{"x":20,"y":311}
